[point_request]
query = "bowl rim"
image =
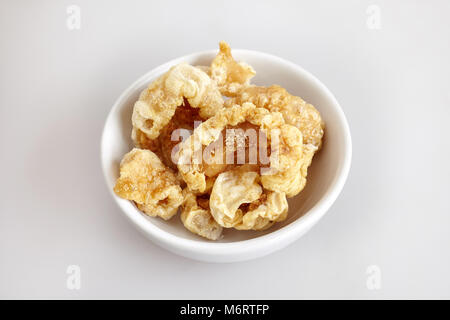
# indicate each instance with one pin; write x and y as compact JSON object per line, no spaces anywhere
{"x":283,"y":236}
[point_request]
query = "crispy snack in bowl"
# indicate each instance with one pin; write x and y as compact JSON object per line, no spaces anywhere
{"x":239,"y":201}
{"x":284,"y":169}
{"x":151,"y":185}
{"x":294,"y":109}
{"x":157,"y":104}
{"x":222,"y":151}
{"x":230,"y":76}
{"x":196,"y":216}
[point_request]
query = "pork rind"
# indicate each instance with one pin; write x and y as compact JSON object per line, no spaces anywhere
{"x":157,"y":104}
{"x":218,"y":194}
{"x":236,"y":188}
{"x":285,"y":159}
{"x":294,"y":109}
{"x":179,"y":128}
{"x":145,"y":180}
{"x":232,"y":189}
{"x":271,"y":207}
{"x":197,"y":218}
{"x":286,"y":175}
{"x":229,"y":74}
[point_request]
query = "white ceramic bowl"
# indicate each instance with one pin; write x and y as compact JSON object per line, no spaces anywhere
{"x":326,"y":176}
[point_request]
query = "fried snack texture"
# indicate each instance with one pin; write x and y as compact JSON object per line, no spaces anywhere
{"x":231,"y":76}
{"x":152,"y":186}
{"x":283,"y":174}
{"x":196,"y":216}
{"x":216,"y":148}
{"x":239,"y":201}
{"x":157,"y":104}
{"x":294,"y":109}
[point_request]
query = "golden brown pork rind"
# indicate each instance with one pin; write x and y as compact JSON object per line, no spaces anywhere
{"x":178,"y":129}
{"x":240,"y":196}
{"x":233,"y":190}
{"x":285,"y":159}
{"x":198,"y":219}
{"x":145,"y":180}
{"x":294,"y":109}
{"x":288,"y":176}
{"x":295,"y":112}
{"x":271,"y":207}
{"x":229,"y":74}
{"x":157,"y":104}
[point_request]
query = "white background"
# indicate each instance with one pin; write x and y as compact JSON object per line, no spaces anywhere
{"x":57,"y":87}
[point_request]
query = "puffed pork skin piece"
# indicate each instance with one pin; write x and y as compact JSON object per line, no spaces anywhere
{"x":283,"y":175}
{"x":196,"y":216}
{"x":157,"y":103}
{"x":152,"y":186}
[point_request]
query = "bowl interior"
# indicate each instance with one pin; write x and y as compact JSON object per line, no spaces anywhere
{"x":326,"y":167}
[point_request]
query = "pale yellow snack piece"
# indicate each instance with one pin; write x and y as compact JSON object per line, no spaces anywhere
{"x":285,"y":161}
{"x":294,"y":109}
{"x":217,"y":195}
{"x":295,"y":112}
{"x":234,"y":189}
{"x":152,"y":186}
{"x":287,"y":176}
{"x":157,"y":104}
{"x":178,"y":128}
{"x":198,"y":219}
{"x":229,"y":74}
{"x":269,"y":208}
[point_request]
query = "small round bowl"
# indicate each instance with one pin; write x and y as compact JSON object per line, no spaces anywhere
{"x":326,"y":176}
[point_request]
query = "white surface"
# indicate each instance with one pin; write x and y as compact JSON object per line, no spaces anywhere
{"x":57,"y":86}
{"x":326,"y":177}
